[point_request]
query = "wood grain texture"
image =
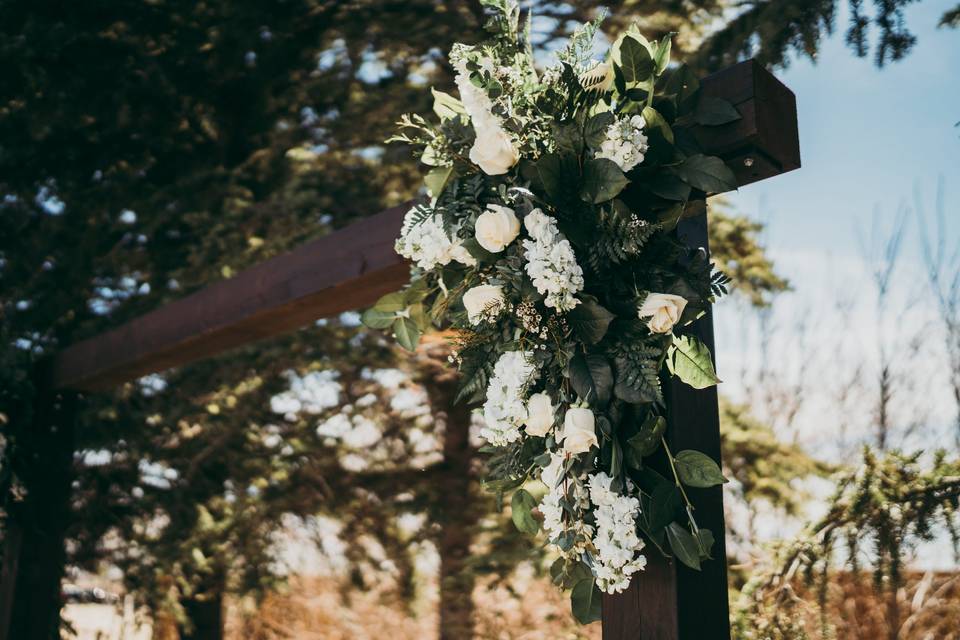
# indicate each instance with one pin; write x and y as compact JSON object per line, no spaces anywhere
{"x":351,"y":268}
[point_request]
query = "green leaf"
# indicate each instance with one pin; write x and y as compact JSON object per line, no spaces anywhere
{"x":602,"y":180}
{"x":407,"y":333}
{"x":664,"y":502}
{"x":436,"y":179}
{"x":670,"y":187}
{"x":713,"y":111}
{"x":705,"y":537}
{"x":585,"y":601}
{"x":706,"y":173}
{"x":559,"y":176}
{"x":377,"y":319}
{"x":590,"y":320}
{"x":446,"y":106}
{"x":635,"y":60}
{"x":662,"y":57}
{"x":684,"y":545}
{"x":392,"y":302}
{"x":520,"y":506}
{"x":656,"y":121}
{"x":690,"y":360}
{"x":595,"y":129}
{"x":591,"y":377}
{"x":670,"y":217}
{"x":568,"y":137}
{"x":479,"y":253}
{"x":697,"y":469}
{"x":647,"y":439}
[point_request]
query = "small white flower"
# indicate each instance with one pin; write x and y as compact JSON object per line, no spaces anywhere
{"x":551,"y":263}
{"x":427,"y":243}
{"x":496,"y":228}
{"x":664,"y":311}
{"x":539,"y":415}
{"x":579,"y":433}
{"x":625,"y":142}
{"x":616,"y":541}
{"x":483,"y":302}
{"x":505,"y":410}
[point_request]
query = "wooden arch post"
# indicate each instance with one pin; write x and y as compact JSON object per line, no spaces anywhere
{"x":351,"y":269}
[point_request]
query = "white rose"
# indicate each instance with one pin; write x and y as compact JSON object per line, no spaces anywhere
{"x":482,"y":301}
{"x":496,"y":228}
{"x":578,"y":431}
{"x":663,"y":309}
{"x":493,"y":150}
{"x":539,"y":415}
{"x":599,"y":77}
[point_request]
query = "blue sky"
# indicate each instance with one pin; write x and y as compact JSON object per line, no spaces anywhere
{"x":868,"y":137}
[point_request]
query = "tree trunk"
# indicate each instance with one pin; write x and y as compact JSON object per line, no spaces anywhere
{"x":456,"y":506}
{"x":205,"y":616}
{"x":34,"y":553}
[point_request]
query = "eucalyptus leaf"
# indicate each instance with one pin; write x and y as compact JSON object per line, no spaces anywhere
{"x":407,"y":333}
{"x":585,"y":601}
{"x":521,"y":506}
{"x":684,"y":545}
{"x":377,"y":319}
{"x":690,"y":361}
{"x":602,"y":180}
{"x":591,"y":377}
{"x":392,"y":302}
{"x":706,"y":173}
{"x":697,"y":469}
{"x":715,"y":111}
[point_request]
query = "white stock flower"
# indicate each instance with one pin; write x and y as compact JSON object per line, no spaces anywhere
{"x":539,"y":415}
{"x":616,"y":541}
{"x":505,"y":410}
{"x":427,"y":243}
{"x":496,"y":228}
{"x":493,"y":150}
{"x":579,"y":433}
{"x":483,"y":302}
{"x":599,"y":77}
{"x":664,"y":311}
{"x":551,"y":263}
{"x":625,"y":143}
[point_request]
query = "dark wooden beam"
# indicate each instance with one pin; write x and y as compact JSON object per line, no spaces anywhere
{"x":351,"y":268}
{"x":669,"y":601}
{"x":345,"y":270}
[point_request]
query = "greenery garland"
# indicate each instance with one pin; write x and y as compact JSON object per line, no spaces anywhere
{"x":549,"y":246}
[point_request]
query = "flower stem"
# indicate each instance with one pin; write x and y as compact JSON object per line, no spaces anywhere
{"x":676,"y":477}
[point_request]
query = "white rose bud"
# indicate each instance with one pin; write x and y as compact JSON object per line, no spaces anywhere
{"x":493,"y":150}
{"x":497,"y":227}
{"x":578,"y":431}
{"x":663,"y":309}
{"x":483,"y":301}
{"x":539,"y":415}
{"x":599,"y":77}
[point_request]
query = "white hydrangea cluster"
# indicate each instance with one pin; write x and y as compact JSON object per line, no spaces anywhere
{"x":552,"y":510}
{"x":625,"y":143}
{"x":506,"y":408}
{"x":427,"y":244}
{"x":551,"y":263}
{"x":616,"y":539}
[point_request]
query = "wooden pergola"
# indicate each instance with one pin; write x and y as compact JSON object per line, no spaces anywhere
{"x":350,"y":269}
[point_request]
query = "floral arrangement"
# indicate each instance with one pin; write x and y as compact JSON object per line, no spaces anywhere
{"x":548,"y":245}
